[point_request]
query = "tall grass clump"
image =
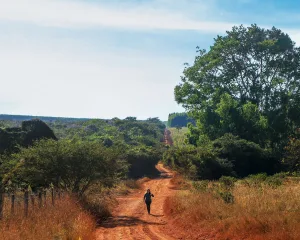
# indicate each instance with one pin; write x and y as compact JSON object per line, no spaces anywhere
{"x":267,"y":209}
{"x":67,"y":220}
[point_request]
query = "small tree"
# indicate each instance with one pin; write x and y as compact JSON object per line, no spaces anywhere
{"x":73,"y":165}
{"x":292,"y":157}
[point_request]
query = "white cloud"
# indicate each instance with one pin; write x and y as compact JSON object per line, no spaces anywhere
{"x":294,"y":35}
{"x":62,"y":13}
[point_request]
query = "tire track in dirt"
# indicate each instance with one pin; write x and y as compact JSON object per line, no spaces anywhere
{"x":130,"y":219}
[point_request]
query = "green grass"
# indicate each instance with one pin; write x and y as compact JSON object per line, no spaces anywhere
{"x":178,"y":136}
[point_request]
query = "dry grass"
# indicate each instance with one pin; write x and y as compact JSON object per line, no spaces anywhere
{"x":66,"y":221}
{"x":257,"y":213}
{"x":180,"y":183}
{"x":127,"y":186}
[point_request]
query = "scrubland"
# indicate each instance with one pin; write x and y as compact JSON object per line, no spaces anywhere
{"x":257,"y":208}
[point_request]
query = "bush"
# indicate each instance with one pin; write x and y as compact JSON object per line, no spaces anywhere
{"x":197,"y":163}
{"x":227,"y":182}
{"x":274,"y":181}
{"x":201,"y":186}
{"x":226,"y":156}
{"x":263,"y":179}
{"x":292,"y":155}
{"x":227,"y":196}
{"x":73,"y":165}
{"x":246,"y":157}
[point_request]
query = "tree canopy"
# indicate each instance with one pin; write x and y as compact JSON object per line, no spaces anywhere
{"x":248,"y":84}
{"x":86,"y":152}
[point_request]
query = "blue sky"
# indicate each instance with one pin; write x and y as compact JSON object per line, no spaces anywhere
{"x":114,"y":58}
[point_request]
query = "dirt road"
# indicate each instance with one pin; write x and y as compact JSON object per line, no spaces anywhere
{"x":130,"y":219}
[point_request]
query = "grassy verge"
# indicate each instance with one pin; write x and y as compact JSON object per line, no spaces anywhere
{"x":68,"y":219}
{"x":254,"y":208}
{"x":65,"y":221}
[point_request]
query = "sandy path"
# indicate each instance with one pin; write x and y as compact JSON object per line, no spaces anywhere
{"x":130,"y":219}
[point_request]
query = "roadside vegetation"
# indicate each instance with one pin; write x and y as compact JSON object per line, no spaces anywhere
{"x":179,"y":136}
{"x":256,"y":207}
{"x":67,"y":220}
{"x":240,"y":162}
{"x":247,"y":121}
{"x":236,"y":151}
{"x":91,"y":161}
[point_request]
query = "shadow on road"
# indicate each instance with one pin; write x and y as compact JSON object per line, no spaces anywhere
{"x":125,"y":221}
{"x":153,"y":215}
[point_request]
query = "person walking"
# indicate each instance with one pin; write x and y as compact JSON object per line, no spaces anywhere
{"x":148,"y":200}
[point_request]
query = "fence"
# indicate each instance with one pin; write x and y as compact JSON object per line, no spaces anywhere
{"x":21,"y":202}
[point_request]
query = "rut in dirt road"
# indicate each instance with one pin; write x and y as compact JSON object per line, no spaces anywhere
{"x":130,"y":219}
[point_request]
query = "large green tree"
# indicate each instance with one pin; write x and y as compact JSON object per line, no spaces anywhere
{"x":71,"y":164}
{"x":247,"y":84}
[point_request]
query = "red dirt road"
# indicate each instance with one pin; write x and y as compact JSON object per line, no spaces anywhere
{"x":130,"y":219}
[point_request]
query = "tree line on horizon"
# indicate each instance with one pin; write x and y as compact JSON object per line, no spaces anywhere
{"x":179,"y":120}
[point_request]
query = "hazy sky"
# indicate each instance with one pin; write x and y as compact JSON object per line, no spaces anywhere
{"x":114,"y":58}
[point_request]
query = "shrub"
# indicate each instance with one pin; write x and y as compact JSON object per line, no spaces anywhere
{"x":226,"y":156}
{"x":227,"y":196}
{"x":227,"y":182}
{"x":73,"y":165}
{"x":292,"y":155}
{"x":274,"y":181}
{"x":201,"y":186}
{"x":197,"y":163}
{"x":255,"y":180}
{"x":246,"y":157}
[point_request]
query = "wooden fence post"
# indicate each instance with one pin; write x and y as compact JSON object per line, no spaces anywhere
{"x":52,"y":195}
{"x":45,"y":197}
{"x":32,"y":199}
{"x":1,"y":203}
{"x":58,"y":193}
{"x":40,"y":199}
{"x":12,"y":207}
{"x":26,"y":200}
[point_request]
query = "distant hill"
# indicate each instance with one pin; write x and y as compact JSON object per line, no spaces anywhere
{"x":20,"y":118}
{"x":45,"y":119}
